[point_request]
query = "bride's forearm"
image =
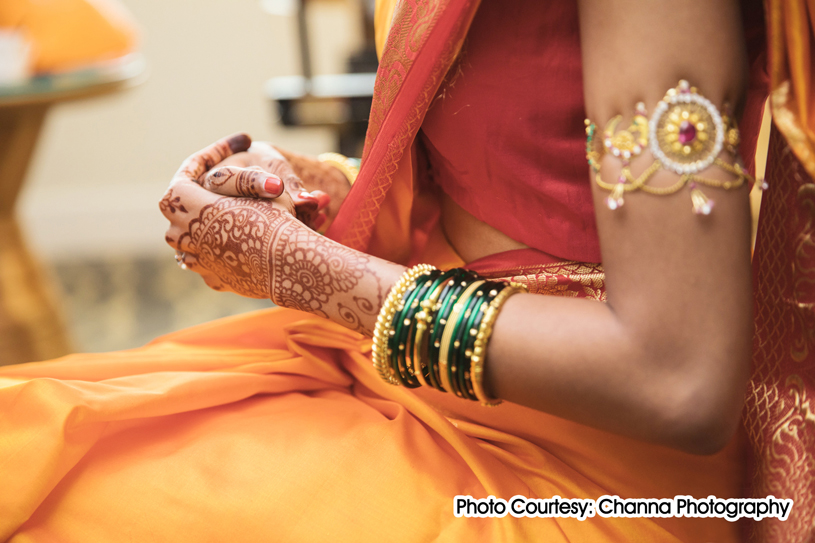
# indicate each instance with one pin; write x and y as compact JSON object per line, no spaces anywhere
{"x":624,"y":368}
{"x":315,"y":274}
{"x":588,"y":365}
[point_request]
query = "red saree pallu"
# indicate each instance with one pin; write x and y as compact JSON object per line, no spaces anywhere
{"x":780,"y":403}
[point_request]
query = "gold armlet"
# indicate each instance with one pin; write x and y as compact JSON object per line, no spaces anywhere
{"x":686,"y":134}
{"x":348,"y":166}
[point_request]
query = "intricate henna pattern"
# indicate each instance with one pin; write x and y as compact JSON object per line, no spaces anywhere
{"x":231,"y":238}
{"x":171,"y":203}
{"x":261,"y":251}
{"x":244,"y":180}
{"x":311,"y":270}
{"x":351,"y":317}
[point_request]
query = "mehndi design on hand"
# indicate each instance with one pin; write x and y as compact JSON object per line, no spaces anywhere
{"x":252,"y":182}
{"x":261,"y":251}
{"x":171,"y":203}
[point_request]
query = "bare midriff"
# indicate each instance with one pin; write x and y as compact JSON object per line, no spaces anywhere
{"x":470,"y":237}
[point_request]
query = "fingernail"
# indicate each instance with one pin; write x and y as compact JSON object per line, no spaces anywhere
{"x":306,"y":196}
{"x":319,"y":221}
{"x":239,"y":143}
{"x":274,"y":186}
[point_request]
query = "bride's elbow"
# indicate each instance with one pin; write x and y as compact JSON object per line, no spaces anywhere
{"x":704,"y":433}
{"x":700,"y":411}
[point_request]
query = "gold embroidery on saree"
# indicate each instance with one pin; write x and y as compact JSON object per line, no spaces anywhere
{"x":572,"y":279}
{"x":804,"y":274}
{"x":778,"y":412}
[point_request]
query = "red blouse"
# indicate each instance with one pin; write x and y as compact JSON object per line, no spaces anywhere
{"x":505,"y":136}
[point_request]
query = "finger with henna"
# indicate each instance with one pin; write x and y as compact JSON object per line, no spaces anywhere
{"x":251,"y":182}
{"x":198,"y":163}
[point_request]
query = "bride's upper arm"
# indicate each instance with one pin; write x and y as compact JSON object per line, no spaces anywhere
{"x":679,"y":281}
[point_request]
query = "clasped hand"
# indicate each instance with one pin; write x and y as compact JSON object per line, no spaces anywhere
{"x":225,"y":205}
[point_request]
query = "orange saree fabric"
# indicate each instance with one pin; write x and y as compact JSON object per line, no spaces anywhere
{"x":274,"y":426}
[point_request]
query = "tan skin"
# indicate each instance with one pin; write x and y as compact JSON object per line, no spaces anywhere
{"x":666,"y":360}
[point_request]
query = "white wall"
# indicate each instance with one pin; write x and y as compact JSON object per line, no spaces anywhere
{"x":102,"y":164}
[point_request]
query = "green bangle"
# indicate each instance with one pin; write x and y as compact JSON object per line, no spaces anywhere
{"x":402,"y":331}
{"x":423,"y":317}
{"x":447,"y":336}
{"x":418,"y":334}
{"x":470,"y":332}
{"x":453,"y":357}
{"x":384,"y":320}
{"x":461,"y":337}
{"x":456,"y":356}
{"x":395,"y":347}
{"x":445,"y":305}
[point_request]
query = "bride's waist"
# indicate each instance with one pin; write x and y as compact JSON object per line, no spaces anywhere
{"x":470,"y":237}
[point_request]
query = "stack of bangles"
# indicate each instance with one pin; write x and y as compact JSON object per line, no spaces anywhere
{"x":434,"y":327}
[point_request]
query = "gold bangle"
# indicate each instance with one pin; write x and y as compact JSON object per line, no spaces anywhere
{"x":447,"y":335}
{"x":348,"y":166}
{"x":480,"y":346}
{"x":379,"y":350}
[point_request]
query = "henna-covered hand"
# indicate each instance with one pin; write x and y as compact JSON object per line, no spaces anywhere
{"x":184,"y":198}
{"x":255,"y":182}
{"x":257,"y":248}
{"x":261,"y":251}
{"x":318,"y":176}
{"x":305,"y":178}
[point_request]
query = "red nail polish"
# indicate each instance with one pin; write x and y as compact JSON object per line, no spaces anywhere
{"x":306,"y":196}
{"x":273,"y":185}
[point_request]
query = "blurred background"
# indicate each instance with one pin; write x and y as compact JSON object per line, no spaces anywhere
{"x":87,"y":242}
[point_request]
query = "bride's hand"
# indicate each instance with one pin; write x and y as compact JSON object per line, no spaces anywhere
{"x":305,"y":179}
{"x":257,"y":248}
{"x":262,"y":172}
{"x":225,"y":240}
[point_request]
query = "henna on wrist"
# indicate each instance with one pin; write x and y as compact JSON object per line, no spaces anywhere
{"x":261,"y":251}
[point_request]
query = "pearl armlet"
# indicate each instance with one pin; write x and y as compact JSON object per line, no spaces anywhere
{"x":686,"y":134}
